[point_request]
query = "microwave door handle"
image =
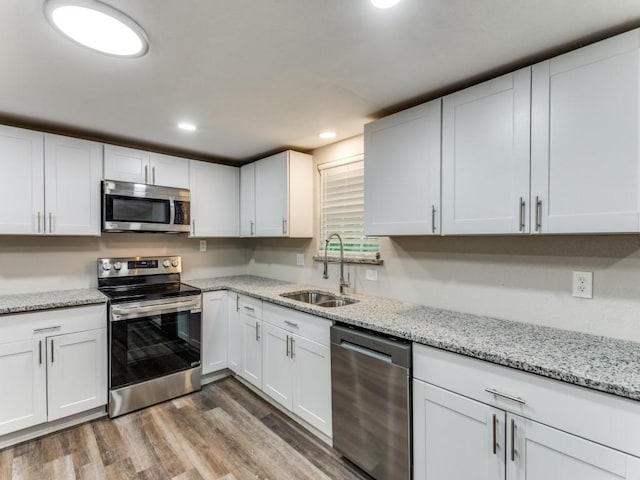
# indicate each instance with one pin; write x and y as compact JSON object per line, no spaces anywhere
{"x":172,"y":212}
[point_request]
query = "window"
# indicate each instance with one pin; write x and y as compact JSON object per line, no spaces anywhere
{"x":342,"y":208}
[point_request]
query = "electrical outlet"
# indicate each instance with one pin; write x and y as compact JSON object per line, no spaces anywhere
{"x":371,"y":275}
{"x":203,"y":245}
{"x":300,"y":259}
{"x":583,"y":284}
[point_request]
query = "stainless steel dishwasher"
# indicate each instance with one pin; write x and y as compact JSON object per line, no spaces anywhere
{"x":371,"y":401}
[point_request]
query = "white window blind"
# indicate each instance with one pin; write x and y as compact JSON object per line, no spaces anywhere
{"x":342,"y":208}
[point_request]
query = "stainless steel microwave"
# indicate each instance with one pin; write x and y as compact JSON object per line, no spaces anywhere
{"x":138,"y":207}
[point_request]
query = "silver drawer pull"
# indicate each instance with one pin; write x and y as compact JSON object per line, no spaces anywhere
{"x":291,"y":324}
{"x":513,"y":398}
{"x":46,"y":329}
{"x":251,"y":309}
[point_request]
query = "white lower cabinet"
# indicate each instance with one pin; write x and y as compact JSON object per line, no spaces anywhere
{"x":54,"y":364}
{"x":234,"y":339}
{"x":245,"y":339}
{"x":214,"y":331}
{"x":458,"y":438}
{"x":297,"y":364}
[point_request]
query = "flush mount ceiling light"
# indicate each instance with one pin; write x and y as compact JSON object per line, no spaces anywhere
{"x":98,"y":26}
{"x":189,"y":127}
{"x":384,"y":3}
{"x":327,"y":135}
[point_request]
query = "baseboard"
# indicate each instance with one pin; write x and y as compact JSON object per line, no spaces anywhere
{"x":215,"y":376}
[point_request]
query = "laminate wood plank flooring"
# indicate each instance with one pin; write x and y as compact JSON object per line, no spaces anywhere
{"x":224,"y":432}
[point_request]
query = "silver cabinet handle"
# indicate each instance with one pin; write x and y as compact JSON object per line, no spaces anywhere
{"x":257,"y":331}
{"x":146,"y":174}
{"x":40,"y":352}
{"x":193,"y":227}
{"x":284,"y":226}
{"x":433,"y":219}
{"x":495,"y":434}
{"x":287,"y":345}
{"x":50,"y":222}
{"x":293,"y":348}
{"x":291,"y":324}
{"x":513,"y":440}
{"x":251,"y":309}
{"x":39,"y":222}
{"x":237,"y":302}
{"x":251,"y":228}
{"x":513,"y":398}
{"x":522,"y":207}
{"x":46,"y":329}
{"x":538,"y":213}
{"x":153,"y":175}
{"x":52,"y":350}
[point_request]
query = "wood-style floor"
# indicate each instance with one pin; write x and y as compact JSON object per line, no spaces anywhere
{"x":222,"y":432}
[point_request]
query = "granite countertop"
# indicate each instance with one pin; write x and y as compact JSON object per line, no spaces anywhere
{"x":29,"y":302}
{"x":596,"y":362}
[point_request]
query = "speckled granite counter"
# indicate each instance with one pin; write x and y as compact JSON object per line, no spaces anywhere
{"x":29,"y":302}
{"x":591,"y":361}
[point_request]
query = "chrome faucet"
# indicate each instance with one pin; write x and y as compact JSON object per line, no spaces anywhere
{"x":325,"y":274}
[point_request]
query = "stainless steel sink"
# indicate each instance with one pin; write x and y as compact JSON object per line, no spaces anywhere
{"x":321,"y":299}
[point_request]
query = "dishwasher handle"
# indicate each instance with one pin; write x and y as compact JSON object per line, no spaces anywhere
{"x":395,"y":352}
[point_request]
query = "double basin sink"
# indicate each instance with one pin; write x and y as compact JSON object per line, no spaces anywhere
{"x":320,"y":299}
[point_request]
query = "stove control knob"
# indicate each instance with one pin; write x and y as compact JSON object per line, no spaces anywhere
{"x":166,"y":264}
{"x":175,"y":262}
{"x":106,"y":266}
{"x":117,"y":265}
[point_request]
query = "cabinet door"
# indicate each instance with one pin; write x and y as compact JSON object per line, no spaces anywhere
{"x":248,"y":200}
{"x":277,"y":378}
{"x":272,"y":194}
{"x":485,"y":157}
{"x":234,"y":354}
{"x":455,"y":437}
{"x":23,"y":374}
{"x":21,"y":181}
{"x":312,"y":383}
{"x":126,"y":164}
{"x":251,"y":367}
{"x":585,"y":154}
{"x":215,"y":200}
{"x":214,"y":331}
{"x":538,"y":452}
{"x":402,"y":172}
{"x":168,"y":171}
{"x":73,"y":170}
{"x":77,"y":372}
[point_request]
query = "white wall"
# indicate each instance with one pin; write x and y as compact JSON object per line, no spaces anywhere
{"x":518,"y":278}
{"x":32,"y":264}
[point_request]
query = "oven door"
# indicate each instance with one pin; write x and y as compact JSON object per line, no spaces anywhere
{"x":150,"y":340}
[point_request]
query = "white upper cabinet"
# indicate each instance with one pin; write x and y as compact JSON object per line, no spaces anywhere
{"x":73,"y":170}
{"x":485,"y":157}
{"x":585,"y":158}
{"x":138,"y":166}
{"x":248,"y":200}
{"x":282,"y":196}
{"x":49,"y":184}
{"x":168,"y":171}
{"x":21,"y":181}
{"x":402,"y":172}
{"x":215,"y":200}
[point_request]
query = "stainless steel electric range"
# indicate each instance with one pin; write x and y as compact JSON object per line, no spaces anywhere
{"x":155,"y":329}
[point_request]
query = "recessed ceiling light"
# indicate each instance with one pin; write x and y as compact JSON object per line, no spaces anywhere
{"x":98,"y":26}
{"x":384,"y":3}
{"x":327,"y":135}
{"x":189,"y":127}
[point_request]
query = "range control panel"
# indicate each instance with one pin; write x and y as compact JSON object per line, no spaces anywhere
{"x":133,"y":266}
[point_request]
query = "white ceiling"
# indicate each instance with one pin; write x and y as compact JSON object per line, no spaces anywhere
{"x":258,"y":75}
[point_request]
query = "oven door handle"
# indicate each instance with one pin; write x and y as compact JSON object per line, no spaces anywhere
{"x":124,"y":313}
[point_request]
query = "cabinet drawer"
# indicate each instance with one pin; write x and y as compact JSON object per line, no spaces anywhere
{"x":303,"y":324}
{"x":598,"y":416}
{"x":251,"y":307}
{"x":24,"y":326}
